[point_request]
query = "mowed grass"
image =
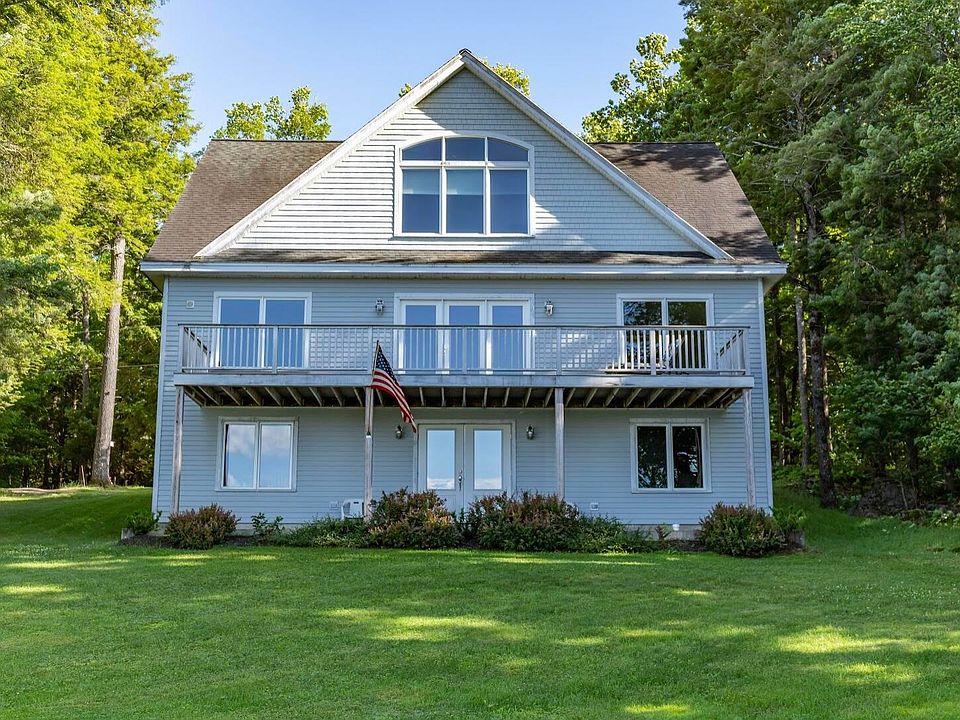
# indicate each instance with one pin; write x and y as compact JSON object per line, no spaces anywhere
{"x":866,"y":625}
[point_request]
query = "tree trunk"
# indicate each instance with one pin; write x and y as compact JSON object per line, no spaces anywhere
{"x":821,"y":418}
{"x":802,"y":383}
{"x":779,"y":376}
{"x":111,"y":358}
{"x":85,"y":338}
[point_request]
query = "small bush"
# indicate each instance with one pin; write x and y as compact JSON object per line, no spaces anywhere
{"x":403,"y":519}
{"x":328,"y":532}
{"x":605,"y":535}
{"x":201,"y":529}
{"x":267,"y":531}
{"x":740,"y":531}
{"x":527,"y":521}
{"x":142,"y":521}
{"x":790,"y":519}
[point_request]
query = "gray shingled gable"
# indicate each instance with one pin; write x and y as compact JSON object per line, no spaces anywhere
{"x":234,"y":177}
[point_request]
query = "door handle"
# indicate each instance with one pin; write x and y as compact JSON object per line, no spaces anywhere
{"x":460,"y":480}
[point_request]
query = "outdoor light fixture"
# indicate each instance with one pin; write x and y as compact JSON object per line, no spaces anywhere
{"x":548,"y":307}
{"x":530,"y":432}
{"x":399,"y":432}
{"x":379,"y":306}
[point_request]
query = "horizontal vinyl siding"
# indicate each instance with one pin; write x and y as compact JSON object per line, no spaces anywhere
{"x":331,"y":448}
{"x":352,"y":204}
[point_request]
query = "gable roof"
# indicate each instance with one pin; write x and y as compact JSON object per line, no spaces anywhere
{"x":235,"y":177}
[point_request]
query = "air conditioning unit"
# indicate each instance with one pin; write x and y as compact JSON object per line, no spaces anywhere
{"x":351,"y":509}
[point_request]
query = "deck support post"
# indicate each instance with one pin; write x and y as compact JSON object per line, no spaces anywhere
{"x":748,"y":441}
{"x":177,"y":453}
{"x":368,"y":453}
{"x":558,"y":418}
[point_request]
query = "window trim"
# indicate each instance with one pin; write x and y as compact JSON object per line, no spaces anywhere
{"x":224,"y":420}
{"x":485,"y":165}
{"x":665,"y":298}
{"x":669,"y":423}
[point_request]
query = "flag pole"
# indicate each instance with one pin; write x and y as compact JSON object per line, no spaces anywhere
{"x":368,"y":442}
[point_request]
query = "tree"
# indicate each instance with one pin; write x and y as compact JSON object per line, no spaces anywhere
{"x":303,"y":120}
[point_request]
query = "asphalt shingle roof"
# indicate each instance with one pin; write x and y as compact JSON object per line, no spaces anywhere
{"x":234,"y":177}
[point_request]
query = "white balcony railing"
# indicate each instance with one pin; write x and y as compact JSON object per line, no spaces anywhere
{"x":473,"y":350}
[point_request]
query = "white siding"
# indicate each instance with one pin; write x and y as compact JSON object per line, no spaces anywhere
{"x":352,"y":205}
{"x":330,"y":453}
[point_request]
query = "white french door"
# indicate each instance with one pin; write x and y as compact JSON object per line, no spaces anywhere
{"x":463,"y":335}
{"x":464,"y":461}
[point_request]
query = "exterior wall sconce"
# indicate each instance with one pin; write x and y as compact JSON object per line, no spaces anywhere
{"x":548,"y":307}
{"x":531,"y":433}
{"x":399,"y":432}
{"x":379,"y":306}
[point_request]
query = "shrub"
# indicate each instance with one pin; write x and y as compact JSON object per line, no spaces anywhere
{"x":328,"y":532}
{"x":605,"y":535}
{"x":403,"y":519}
{"x":740,"y":531}
{"x":527,"y":521}
{"x":790,"y":519}
{"x":142,"y":521}
{"x":201,"y":529}
{"x":267,"y":531}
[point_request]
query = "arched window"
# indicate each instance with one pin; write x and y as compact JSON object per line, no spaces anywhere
{"x":462,"y":185}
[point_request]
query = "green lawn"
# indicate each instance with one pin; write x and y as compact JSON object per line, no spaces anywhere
{"x":867,"y":624}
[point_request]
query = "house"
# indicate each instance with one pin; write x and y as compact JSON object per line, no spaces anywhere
{"x":564,"y":318}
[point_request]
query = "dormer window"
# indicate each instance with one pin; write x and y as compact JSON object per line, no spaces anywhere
{"x":464,"y":185}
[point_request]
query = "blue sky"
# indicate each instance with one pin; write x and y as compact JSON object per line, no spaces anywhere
{"x":356,"y":55}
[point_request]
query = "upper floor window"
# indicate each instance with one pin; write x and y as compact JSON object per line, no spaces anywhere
{"x":465,"y":186}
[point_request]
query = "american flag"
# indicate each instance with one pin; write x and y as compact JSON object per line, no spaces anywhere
{"x":384,"y":379}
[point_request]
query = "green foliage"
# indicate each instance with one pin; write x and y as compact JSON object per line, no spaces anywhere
{"x":267,"y":531}
{"x":200,"y":529}
{"x":933,"y":517}
{"x":142,"y":521}
{"x":328,"y":532}
{"x":740,"y":531}
{"x":526,"y":521}
{"x":412,"y":520}
{"x":790,"y":519}
{"x":605,"y":535}
{"x":303,"y":120}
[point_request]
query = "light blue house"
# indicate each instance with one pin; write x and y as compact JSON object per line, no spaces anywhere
{"x":564,"y":318}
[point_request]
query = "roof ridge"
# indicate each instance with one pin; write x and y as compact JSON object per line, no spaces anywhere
{"x":270,"y":140}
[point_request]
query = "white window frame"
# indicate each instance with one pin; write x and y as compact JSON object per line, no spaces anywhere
{"x":665,"y":298}
{"x":219,"y":482}
{"x":307,"y":298}
{"x":669,"y":424}
{"x":443,"y":301}
{"x":443,"y":164}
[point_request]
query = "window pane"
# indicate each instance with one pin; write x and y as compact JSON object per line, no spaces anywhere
{"x":687,"y":456}
{"x":465,"y":201}
{"x":289,"y":340}
{"x":421,"y":201}
{"x":276,"y":451}
{"x":464,"y":148}
{"x":441,"y":446}
{"x":429,"y":150}
{"x":508,"y":201}
{"x":238,"y":460}
{"x":505,"y":151}
{"x":642,"y":312}
{"x":239,"y":347}
{"x":420,"y":344}
{"x":488,"y":459}
{"x":466,"y":346}
{"x":651,"y":456}
{"x":507,"y":346}
{"x":686,"y":312}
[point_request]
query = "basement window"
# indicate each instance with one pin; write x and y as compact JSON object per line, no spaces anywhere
{"x":258,"y":455}
{"x":669,"y":456}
